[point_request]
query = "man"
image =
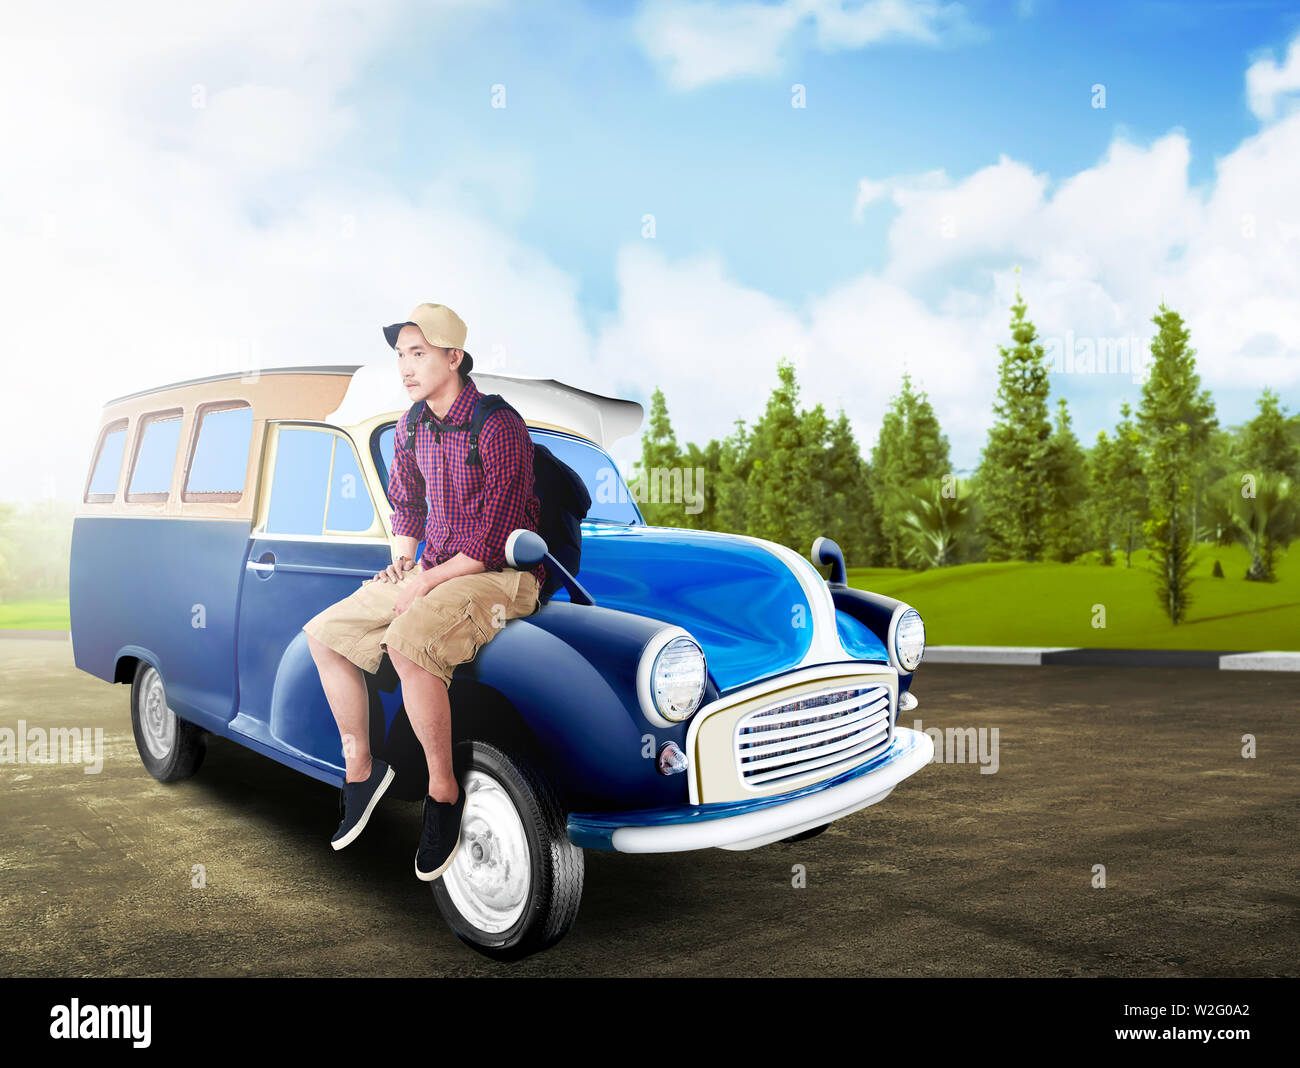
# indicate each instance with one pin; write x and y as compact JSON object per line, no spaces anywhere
{"x":437,"y":614}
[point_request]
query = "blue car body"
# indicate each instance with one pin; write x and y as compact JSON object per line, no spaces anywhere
{"x":213,"y":598}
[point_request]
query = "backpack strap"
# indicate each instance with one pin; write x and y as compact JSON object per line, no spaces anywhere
{"x":419,"y":412}
{"x":485,"y":406}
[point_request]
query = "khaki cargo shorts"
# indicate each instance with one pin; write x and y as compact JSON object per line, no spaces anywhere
{"x":445,"y":627}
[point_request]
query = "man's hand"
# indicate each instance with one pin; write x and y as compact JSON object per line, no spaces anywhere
{"x":416,"y":586}
{"x":393,"y":572}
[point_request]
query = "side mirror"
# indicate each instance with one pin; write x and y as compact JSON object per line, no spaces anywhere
{"x":825,"y":551}
{"x":525,"y":549}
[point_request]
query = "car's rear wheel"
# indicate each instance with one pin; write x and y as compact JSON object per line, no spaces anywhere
{"x":516,"y":882}
{"x":169,"y":747}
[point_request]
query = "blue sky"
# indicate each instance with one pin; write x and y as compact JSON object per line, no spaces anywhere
{"x":732,"y":167}
{"x":248,"y":183}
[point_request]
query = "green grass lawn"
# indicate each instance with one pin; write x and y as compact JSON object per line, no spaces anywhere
{"x":51,"y":614}
{"x":1052,"y":604}
{"x":1037,"y":604}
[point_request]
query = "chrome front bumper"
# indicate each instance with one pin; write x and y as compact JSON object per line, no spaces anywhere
{"x":748,"y":825}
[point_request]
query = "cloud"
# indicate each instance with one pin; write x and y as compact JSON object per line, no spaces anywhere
{"x":1100,"y":249}
{"x":139,"y":250}
{"x":680,"y":322}
{"x":699,"y":42}
{"x":175,"y":206}
{"x":1267,"y":83}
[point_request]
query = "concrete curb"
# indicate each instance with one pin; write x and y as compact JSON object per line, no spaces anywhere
{"x":1209,"y":659}
{"x":986,"y":654}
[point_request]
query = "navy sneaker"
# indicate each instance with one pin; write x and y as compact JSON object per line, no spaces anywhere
{"x":358,"y":799}
{"x":439,"y":836}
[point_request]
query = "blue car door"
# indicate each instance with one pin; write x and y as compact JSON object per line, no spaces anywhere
{"x":316,"y":538}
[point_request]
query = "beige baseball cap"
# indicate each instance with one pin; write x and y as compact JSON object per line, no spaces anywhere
{"x":440,"y":326}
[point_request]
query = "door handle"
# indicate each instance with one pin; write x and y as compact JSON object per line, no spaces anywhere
{"x":263,"y":567}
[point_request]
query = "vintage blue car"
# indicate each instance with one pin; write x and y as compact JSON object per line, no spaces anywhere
{"x":688,"y":689}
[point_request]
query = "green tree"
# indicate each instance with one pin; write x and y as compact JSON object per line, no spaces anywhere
{"x":654,"y":485}
{"x":35,"y":547}
{"x":1098,"y":469}
{"x":850,"y":515}
{"x":1013,"y":480}
{"x":935,"y":524}
{"x":790,"y":477}
{"x":1262,"y":513}
{"x":778,"y":499}
{"x":735,"y":461}
{"x":1066,"y":535}
{"x":910,"y":447}
{"x":1266,"y":442}
{"x":1222,"y":458}
{"x":1176,"y":419}
{"x":1127,"y":492}
{"x":704,"y":486}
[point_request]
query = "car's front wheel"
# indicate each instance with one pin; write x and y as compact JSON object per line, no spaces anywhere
{"x":516,"y":882}
{"x":170,"y":748}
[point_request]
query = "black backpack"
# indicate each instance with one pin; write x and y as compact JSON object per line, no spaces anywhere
{"x":562,"y":494}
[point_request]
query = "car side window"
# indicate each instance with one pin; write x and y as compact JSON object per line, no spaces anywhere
{"x":384,"y":442}
{"x":108,"y":463}
{"x":317,"y":477}
{"x":611,"y":500}
{"x":219,"y":453}
{"x":155,"y":456}
{"x":350,"y":509}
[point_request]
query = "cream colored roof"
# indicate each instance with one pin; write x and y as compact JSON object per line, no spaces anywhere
{"x":375,"y":389}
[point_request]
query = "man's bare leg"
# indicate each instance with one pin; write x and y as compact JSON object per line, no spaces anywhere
{"x":345,"y":689}
{"x":429,"y":710}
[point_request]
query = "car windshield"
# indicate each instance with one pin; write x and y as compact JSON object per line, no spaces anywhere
{"x":611,"y":500}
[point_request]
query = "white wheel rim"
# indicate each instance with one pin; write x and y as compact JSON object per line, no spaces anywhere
{"x":157,"y":721}
{"x":490,"y":878}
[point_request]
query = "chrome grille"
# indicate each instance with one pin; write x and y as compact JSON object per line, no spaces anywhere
{"x":824,"y":732}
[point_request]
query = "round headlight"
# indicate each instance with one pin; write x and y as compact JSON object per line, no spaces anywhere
{"x":677,"y":679}
{"x":909,"y":639}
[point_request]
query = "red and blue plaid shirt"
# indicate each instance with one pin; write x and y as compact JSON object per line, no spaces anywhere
{"x":470,"y":509}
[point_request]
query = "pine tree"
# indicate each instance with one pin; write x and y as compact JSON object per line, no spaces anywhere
{"x":1099,"y":469}
{"x":910,"y":448}
{"x":735,"y":461}
{"x":792,"y":476}
{"x":1126,"y":493}
{"x":1176,"y":419}
{"x":702,"y":467}
{"x":1266,"y":444}
{"x":1012,"y":480}
{"x":775,"y":506}
{"x":1066,"y":535}
{"x":850,"y":517}
{"x":658,"y":478}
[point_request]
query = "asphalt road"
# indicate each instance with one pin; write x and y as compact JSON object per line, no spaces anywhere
{"x":956,"y":873}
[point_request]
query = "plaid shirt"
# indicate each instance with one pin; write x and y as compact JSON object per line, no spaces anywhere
{"x":471,"y":509}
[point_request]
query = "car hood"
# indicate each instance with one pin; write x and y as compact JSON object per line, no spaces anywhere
{"x":756,"y":608}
